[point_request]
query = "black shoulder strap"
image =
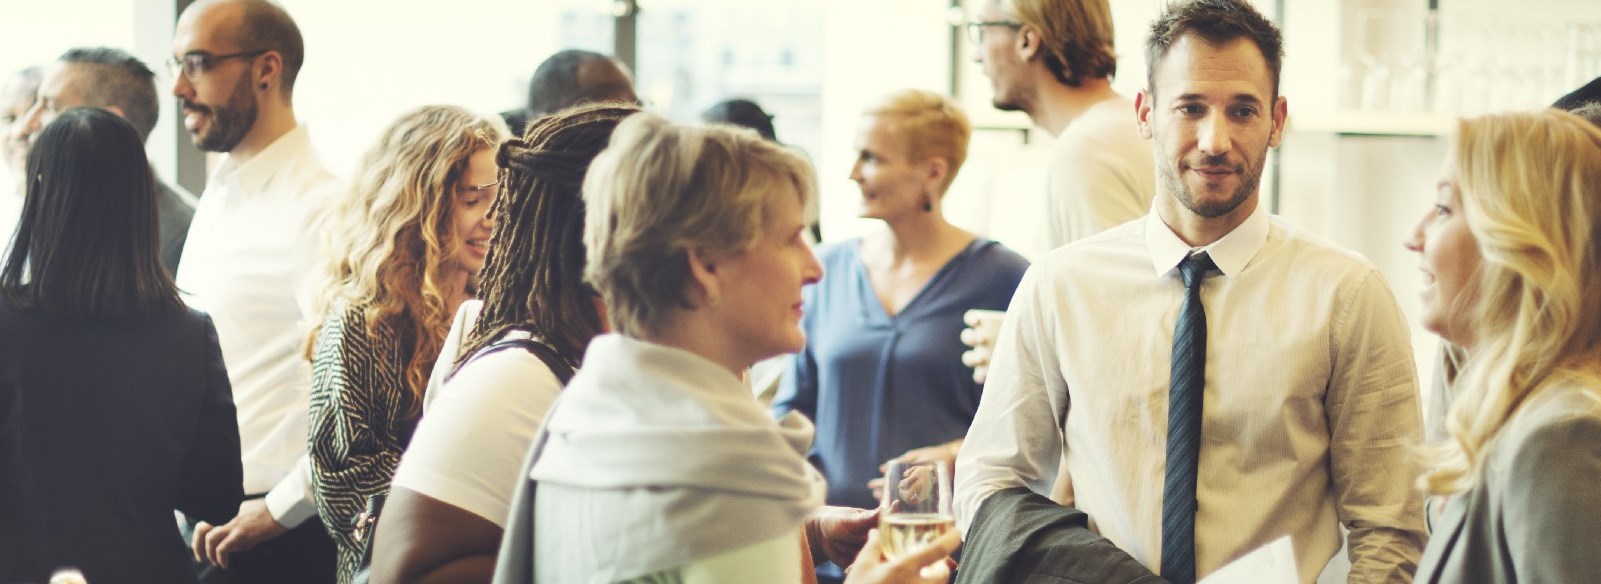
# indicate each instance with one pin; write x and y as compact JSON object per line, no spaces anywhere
{"x":544,"y":352}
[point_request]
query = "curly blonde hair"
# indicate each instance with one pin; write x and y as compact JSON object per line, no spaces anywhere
{"x":1531,"y":194}
{"x":388,"y":241}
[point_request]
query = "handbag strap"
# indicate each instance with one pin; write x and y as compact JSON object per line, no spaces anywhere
{"x":367,"y":520}
{"x":540,"y":349}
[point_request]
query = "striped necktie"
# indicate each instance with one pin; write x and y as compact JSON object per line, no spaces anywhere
{"x":1185,"y":391}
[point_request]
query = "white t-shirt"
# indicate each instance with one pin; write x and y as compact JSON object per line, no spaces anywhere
{"x":471,"y":444}
{"x":450,"y":350}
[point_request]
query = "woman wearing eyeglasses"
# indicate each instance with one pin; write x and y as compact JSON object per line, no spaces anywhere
{"x":403,"y":249}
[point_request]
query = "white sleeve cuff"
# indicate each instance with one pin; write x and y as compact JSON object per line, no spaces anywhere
{"x":290,"y":501}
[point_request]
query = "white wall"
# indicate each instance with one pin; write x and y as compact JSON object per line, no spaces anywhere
{"x":369,"y":61}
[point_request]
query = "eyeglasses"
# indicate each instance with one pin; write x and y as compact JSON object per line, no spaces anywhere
{"x":975,"y":28}
{"x":479,"y":189}
{"x":193,"y":65}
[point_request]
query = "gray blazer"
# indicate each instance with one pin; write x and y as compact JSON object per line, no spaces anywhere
{"x":175,"y":209}
{"x":1535,"y":515}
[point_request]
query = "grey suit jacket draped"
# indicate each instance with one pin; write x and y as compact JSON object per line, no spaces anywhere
{"x":1535,"y":514}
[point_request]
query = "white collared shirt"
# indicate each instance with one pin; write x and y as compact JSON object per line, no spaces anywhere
{"x":1310,"y":409}
{"x":247,"y":259}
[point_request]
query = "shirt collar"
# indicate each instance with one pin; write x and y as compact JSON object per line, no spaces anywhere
{"x":252,"y":176}
{"x":1231,"y":253}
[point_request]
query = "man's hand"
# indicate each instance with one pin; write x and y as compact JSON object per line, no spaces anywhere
{"x":837,"y":533}
{"x":929,"y":564}
{"x":946,"y":452}
{"x":248,"y":529}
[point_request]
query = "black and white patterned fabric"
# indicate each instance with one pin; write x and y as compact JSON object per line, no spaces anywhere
{"x":358,"y":399}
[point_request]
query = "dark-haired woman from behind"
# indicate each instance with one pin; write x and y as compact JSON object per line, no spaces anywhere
{"x":117,"y":407}
{"x":452,"y":491}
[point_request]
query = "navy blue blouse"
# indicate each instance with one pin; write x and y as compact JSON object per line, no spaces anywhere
{"x":879,"y":385}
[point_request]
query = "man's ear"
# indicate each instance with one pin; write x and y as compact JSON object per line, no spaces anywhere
{"x":1142,"y":113}
{"x":269,"y":69}
{"x":1281,"y":113}
{"x":703,"y":274}
{"x":1028,"y":43}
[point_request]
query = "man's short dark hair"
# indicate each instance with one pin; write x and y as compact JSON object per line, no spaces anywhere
{"x":112,"y":77}
{"x":555,"y":85}
{"x":743,"y":113}
{"x":1217,"y":22}
{"x":1589,"y":94}
{"x":266,"y":26}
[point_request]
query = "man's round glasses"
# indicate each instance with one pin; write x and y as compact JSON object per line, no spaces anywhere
{"x":193,"y":65}
{"x":975,"y":28}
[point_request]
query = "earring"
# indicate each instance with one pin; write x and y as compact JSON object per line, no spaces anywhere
{"x":264,"y":85}
{"x":928,"y":204}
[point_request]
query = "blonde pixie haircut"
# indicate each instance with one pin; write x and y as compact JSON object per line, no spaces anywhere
{"x":1075,"y":35}
{"x":1531,"y":194}
{"x":928,"y":125}
{"x":661,"y":190}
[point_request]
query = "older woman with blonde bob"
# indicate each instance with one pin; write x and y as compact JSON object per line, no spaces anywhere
{"x":403,"y":249}
{"x":881,"y":374}
{"x":657,"y":464}
{"x":1511,"y":261}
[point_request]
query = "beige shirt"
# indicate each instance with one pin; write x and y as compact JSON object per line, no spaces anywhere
{"x":1310,"y":408}
{"x":1101,"y":174}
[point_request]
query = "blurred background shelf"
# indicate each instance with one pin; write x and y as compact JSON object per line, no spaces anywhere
{"x":1372,"y":123}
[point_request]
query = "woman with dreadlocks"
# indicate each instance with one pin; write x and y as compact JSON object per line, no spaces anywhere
{"x":404,"y":247}
{"x":444,"y":519}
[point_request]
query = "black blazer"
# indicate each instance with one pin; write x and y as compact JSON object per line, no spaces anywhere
{"x":105,"y":429}
{"x":1020,"y":537}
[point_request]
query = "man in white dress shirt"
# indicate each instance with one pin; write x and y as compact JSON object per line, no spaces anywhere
{"x":245,"y":262}
{"x":1295,"y":362}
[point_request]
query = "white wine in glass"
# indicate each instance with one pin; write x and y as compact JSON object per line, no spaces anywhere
{"x":916,"y":507}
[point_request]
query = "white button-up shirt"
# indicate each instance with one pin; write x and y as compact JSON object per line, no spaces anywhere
{"x":1310,"y":406}
{"x":246,"y":262}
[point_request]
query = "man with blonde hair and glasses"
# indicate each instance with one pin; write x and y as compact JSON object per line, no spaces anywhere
{"x":234,"y":66}
{"x":1054,"y":60}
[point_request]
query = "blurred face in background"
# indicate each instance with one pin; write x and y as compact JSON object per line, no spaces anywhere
{"x":16,"y":97}
{"x":892,"y":184}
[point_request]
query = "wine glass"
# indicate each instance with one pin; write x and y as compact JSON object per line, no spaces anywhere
{"x":916,"y":506}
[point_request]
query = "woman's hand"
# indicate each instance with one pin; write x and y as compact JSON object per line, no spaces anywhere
{"x":929,"y":564}
{"x":838,"y":533}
